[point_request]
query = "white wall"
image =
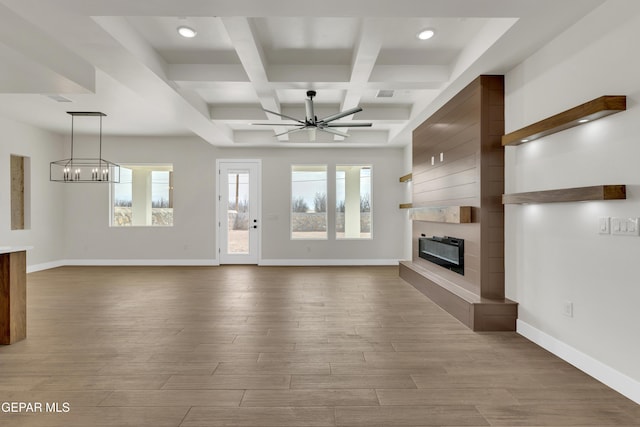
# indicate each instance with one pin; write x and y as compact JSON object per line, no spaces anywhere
{"x":554,"y":253}
{"x":277,"y":248}
{"x":45,"y":233}
{"x":91,"y":240}
{"x":192,"y":239}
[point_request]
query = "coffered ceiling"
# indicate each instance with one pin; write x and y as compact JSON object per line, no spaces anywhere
{"x":126,"y":59}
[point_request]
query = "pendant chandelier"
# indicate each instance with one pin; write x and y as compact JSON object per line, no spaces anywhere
{"x":84,"y":169}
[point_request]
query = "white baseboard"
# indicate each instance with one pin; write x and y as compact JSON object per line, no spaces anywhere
{"x":141,"y":262}
{"x":44,"y":266}
{"x":598,"y":370}
{"x":326,"y":262}
{"x":209,"y":262}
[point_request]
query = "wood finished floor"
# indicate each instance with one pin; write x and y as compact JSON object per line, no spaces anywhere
{"x":271,"y":346}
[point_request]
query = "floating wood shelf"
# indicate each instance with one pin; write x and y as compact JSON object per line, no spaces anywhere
{"x":450,"y":214}
{"x":592,"y":110}
{"x":406,"y":205}
{"x":581,"y":194}
{"x":406,"y":178}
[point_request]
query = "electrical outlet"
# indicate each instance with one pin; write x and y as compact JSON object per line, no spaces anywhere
{"x":567,"y":309}
{"x":604,"y":225}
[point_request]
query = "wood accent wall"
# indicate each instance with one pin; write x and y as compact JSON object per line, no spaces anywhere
{"x":468,"y":132}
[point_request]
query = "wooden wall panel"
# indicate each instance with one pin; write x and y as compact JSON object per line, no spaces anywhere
{"x":451,"y":181}
{"x":466,"y":135}
{"x":468,"y":130}
{"x":455,"y":131}
{"x":458,"y":165}
{"x":463,"y":195}
{"x":491,"y":185}
{"x":447,"y":137}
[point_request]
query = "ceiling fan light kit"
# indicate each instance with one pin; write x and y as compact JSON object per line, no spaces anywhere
{"x":312,"y":123}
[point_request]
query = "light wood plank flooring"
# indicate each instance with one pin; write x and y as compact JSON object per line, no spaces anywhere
{"x":271,"y":346}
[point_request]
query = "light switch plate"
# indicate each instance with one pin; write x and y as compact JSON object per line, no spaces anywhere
{"x":624,"y":226}
{"x":604,"y":225}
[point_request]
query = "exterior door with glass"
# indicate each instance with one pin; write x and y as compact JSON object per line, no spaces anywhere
{"x":238,"y":212}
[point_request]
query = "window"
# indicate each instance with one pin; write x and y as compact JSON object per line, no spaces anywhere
{"x":353,"y":202}
{"x":308,"y":202}
{"x":144,"y":196}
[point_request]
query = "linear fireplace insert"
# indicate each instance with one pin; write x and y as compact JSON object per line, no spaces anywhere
{"x":445,"y":251}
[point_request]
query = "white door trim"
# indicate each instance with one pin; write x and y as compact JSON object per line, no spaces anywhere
{"x":258,"y":202}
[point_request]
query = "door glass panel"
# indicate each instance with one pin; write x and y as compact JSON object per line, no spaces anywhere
{"x":238,"y":213}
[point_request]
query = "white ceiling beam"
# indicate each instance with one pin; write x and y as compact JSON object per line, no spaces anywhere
{"x":365,"y":55}
{"x":410,"y":73}
{"x":357,"y":138}
{"x":309,"y":73}
{"x":385,"y":113}
{"x":132,"y":62}
{"x":276,"y":73}
{"x":63,"y":70}
{"x":380,"y":113}
{"x":236,"y":113}
{"x":254,"y":62}
{"x":206,"y":73}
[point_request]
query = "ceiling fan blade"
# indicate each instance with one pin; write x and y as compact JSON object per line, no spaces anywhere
{"x":341,"y":115}
{"x":335,"y":132}
{"x":283,"y":115}
{"x":308,"y":107}
{"x":276,"y":124}
{"x":290,"y":131}
{"x":348,"y":125}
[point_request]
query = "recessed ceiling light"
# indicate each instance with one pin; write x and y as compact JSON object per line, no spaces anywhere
{"x":186,"y":32}
{"x":524,"y":140}
{"x":583,"y":120}
{"x":426,"y":34}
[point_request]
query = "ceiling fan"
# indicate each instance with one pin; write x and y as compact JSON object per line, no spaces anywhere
{"x":312,"y":123}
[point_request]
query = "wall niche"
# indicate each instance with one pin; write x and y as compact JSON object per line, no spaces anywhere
{"x":20,"y":185}
{"x":458,"y":160}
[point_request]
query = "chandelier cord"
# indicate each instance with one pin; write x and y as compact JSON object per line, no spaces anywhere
{"x":71,"y":141}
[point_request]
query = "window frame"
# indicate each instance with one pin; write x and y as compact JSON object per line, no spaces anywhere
{"x":310,"y":167}
{"x":361,"y":166}
{"x":153,"y":167}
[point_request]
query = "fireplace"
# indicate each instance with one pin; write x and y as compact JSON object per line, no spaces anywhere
{"x":447,"y":252}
